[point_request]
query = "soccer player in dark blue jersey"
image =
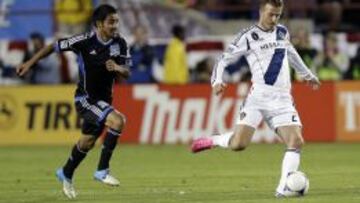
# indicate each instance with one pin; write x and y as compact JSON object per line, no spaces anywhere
{"x":102,"y":57}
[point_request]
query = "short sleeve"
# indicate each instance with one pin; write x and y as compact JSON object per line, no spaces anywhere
{"x":124,"y":58}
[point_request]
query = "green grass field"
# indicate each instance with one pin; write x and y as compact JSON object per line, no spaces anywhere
{"x":169,"y":174}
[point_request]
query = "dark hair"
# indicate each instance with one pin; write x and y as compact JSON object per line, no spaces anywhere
{"x":38,"y":36}
{"x":101,"y":12}
{"x":276,"y":3}
{"x":178,"y":30}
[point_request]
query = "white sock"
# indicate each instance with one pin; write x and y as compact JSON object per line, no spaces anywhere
{"x":222,"y":140}
{"x":290,"y":163}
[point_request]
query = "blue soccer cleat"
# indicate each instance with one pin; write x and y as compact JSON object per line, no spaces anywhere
{"x":104,"y":177}
{"x":68,"y":187}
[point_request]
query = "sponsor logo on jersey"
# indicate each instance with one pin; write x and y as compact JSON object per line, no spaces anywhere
{"x":270,"y":45}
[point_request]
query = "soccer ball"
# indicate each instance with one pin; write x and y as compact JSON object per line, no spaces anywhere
{"x":297,"y":183}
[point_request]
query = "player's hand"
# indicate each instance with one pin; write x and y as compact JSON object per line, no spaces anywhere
{"x":110,"y":65}
{"x":219,"y":88}
{"x":124,"y":72}
{"x":314,"y":83}
{"x":22,"y":69}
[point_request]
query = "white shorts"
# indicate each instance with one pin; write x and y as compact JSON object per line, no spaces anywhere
{"x":273,"y":104}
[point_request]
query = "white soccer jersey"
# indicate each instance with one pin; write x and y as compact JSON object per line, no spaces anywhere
{"x":268,"y":54}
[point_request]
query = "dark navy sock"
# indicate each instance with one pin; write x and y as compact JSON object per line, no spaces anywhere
{"x":74,"y":160}
{"x":109,"y":145}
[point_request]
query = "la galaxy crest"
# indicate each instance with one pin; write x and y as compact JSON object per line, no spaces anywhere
{"x":255,"y":36}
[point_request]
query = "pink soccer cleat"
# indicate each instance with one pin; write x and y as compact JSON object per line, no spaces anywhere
{"x":201,"y":144}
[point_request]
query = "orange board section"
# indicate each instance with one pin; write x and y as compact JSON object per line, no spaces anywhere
{"x":348,"y":111}
{"x":316,"y":109}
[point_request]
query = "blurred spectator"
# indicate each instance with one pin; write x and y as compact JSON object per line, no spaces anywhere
{"x":142,"y":55}
{"x":2,"y":69}
{"x":332,"y":63}
{"x":301,"y":42}
{"x":13,"y":53}
{"x":175,"y":62}
{"x":330,"y":13}
{"x":228,"y":9}
{"x":299,"y":9}
{"x":46,"y":71}
{"x":72,"y":16}
{"x":182,"y":3}
{"x":7,"y":71}
{"x":203,"y":70}
{"x":354,"y":71}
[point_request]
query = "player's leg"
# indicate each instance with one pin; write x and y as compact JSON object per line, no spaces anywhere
{"x":93,"y":115}
{"x":291,"y":135}
{"x":115,"y":121}
{"x":79,"y":151}
{"x":236,"y":140}
{"x":288,"y":127}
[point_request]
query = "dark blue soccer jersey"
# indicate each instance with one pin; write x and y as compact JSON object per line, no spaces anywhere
{"x":96,"y":82}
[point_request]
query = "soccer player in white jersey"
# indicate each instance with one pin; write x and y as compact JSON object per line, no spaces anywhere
{"x":269,"y":53}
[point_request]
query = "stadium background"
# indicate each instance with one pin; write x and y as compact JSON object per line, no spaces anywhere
{"x":41,"y":115}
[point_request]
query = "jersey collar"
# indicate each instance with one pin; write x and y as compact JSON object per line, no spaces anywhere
{"x":101,"y":41}
{"x":262,"y":29}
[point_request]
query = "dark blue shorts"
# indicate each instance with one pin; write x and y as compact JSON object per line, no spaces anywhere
{"x":93,"y":114}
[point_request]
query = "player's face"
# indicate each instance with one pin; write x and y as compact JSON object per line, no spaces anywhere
{"x":109,"y":27}
{"x":270,"y":16}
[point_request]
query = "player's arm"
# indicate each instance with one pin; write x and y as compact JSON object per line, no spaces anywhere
{"x":304,"y":72}
{"x":121,"y":63}
{"x":236,"y":49}
{"x":23,"y":68}
{"x":298,"y":64}
{"x":66,"y":44}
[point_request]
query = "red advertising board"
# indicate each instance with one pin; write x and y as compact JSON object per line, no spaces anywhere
{"x":176,"y":114}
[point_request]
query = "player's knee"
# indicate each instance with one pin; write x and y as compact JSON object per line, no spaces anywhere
{"x":86,"y":144}
{"x":91,"y":144}
{"x":118,"y":122}
{"x":297,"y":142}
